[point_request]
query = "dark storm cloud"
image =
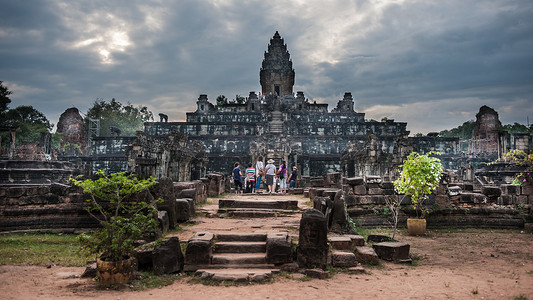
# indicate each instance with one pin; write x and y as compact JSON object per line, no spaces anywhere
{"x":429,"y":63}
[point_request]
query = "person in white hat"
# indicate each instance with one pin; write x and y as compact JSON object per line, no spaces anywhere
{"x":270,"y":170}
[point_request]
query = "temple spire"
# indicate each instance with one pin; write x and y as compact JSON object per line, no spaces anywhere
{"x":277,"y":75}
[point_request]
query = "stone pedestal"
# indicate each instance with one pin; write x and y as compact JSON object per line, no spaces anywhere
{"x":313,"y":244}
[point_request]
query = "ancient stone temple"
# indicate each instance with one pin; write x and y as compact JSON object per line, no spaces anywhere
{"x":277,"y":75}
{"x":280,"y":125}
{"x":485,"y":136}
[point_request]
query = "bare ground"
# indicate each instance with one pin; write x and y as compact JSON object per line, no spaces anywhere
{"x":458,"y":265}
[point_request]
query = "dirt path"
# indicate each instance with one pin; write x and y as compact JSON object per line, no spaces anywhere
{"x":451,"y":266}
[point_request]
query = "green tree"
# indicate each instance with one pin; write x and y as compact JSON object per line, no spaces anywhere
{"x":4,"y":97}
{"x":463,"y":131}
{"x":239,"y":99}
{"x":420,"y":176}
{"x":30,"y":122}
{"x":123,"y":219}
{"x":113,"y":113}
{"x":516,"y":128}
{"x":221,"y":100}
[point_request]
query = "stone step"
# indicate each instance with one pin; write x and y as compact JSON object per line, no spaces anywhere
{"x":239,"y":259}
{"x":240,"y":247}
{"x":256,"y":213}
{"x":189,"y":268}
{"x":240,"y":237}
{"x":238,"y":275}
{"x":270,"y":204}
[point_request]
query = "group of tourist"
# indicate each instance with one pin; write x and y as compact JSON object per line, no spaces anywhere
{"x":276,"y":177}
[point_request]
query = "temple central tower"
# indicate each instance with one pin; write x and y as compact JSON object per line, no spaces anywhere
{"x":277,"y":75}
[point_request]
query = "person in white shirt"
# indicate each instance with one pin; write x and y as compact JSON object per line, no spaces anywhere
{"x":270,"y":171}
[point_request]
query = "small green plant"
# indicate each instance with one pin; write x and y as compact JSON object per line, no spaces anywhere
{"x":520,"y":297}
{"x":123,"y":220}
{"x":420,"y":176}
{"x":524,"y":161}
{"x":415,"y":259}
{"x":475,"y":291}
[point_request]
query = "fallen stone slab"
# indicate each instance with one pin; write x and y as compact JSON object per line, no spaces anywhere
{"x":378,"y":238}
{"x":343,"y":259}
{"x":317,"y":273}
{"x":357,"y":270}
{"x":366,"y":255}
{"x":392,"y":251}
{"x":290,"y":267}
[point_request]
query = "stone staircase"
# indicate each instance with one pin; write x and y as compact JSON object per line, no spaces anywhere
{"x":276,"y":125}
{"x":233,"y":257}
{"x":257,"y":208}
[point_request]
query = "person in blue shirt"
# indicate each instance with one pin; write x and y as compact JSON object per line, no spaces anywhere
{"x":237,"y":179}
{"x":293,"y":177}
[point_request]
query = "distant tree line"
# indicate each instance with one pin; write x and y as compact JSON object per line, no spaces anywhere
{"x":115,"y":114}
{"x":465,"y":130}
{"x":30,"y":123}
{"x":222,"y":100}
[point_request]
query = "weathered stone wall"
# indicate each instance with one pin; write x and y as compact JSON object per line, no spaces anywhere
{"x":173,"y":156}
{"x":454,"y":205}
{"x":13,"y":172}
{"x":54,"y":207}
{"x":60,"y":208}
{"x":109,"y":153}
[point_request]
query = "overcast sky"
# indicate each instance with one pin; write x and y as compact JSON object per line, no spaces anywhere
{"x":431,"y":64}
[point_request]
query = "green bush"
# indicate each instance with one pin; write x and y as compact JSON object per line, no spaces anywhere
{"x":123,"y":219}
{"x":420,"y":176}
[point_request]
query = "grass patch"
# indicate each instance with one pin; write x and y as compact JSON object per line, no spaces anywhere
{"x":335,"y":270}
{"x":308,"y":203}
{"x":210,"y":282}
{"x":415,"y":259}
{"x":40,"y":249}
{"x":150,"y":281}
{"x":472,"y":230}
